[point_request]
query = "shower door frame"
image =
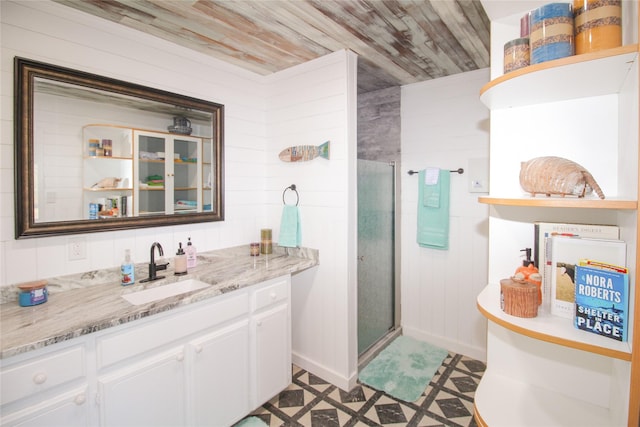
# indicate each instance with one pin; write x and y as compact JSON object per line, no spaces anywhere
{"x":396,"y":328}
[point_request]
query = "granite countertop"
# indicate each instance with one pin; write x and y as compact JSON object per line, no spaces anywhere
{"x":81,"y":304}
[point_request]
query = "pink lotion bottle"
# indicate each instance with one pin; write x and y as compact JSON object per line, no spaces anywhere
{"x":191,"y":254}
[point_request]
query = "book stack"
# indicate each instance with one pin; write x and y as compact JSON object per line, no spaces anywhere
{"x":573,"y":291}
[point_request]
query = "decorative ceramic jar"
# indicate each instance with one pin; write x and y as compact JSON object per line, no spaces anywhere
{"x":598,"y":24}
{"x":551,"y":32}
{"x":516,"y":54}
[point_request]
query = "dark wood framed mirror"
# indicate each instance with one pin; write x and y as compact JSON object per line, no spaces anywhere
{"x":94,"y":153}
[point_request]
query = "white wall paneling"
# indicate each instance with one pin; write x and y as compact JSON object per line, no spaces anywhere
{"x":444,"y":125}
{"x":308,"y":105}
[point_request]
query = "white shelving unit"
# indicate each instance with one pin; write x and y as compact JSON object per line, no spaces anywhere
{"x":119,"y":165}
{"x":543,"y":371}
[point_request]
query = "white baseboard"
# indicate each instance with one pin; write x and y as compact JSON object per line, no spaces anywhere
{"x":325,"y":373}
{"x":454,"y":346}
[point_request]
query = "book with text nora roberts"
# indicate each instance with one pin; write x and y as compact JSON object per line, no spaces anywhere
{"x":566,"y":253}
{"x":602,"y":301}
{"x":543,"y":231}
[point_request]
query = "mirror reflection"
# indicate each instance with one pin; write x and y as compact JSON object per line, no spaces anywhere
{"x":95,"y":154}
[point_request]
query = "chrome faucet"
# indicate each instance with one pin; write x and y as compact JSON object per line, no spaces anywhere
{"x":153,"y":267}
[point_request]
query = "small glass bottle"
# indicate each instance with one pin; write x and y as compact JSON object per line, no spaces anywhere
{"x":127,"y":270}
{"x":254,"y":249}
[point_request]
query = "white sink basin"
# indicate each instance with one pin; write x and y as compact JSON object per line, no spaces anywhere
{"x":164,"y":291}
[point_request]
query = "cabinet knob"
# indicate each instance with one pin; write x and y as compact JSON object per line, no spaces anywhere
{"x":80,"y":399}
{"x":273,"y":295}
{"x":259,"y":323}
{"x":39,"y":378}
{"x":198,"y":349}
{"x":180,"y":357}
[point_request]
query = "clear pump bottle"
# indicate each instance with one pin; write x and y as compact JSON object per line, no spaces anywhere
{"x":127,"y":270}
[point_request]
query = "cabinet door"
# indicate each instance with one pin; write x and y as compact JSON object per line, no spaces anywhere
{"x":220,"y":374}
{"x":208,"y":175}
{"x":273,"y":352}
{"x":153,"y":181}
{"x":69,"y":409}
{"x":187,"y":171}
{"x":148,"y":393}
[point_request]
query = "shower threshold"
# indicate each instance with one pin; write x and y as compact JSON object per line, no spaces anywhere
{"x":377,"y":347}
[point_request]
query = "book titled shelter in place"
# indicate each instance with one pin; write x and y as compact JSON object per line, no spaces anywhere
{"x":602,"y":299}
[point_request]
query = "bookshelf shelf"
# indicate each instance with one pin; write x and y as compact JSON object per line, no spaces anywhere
{"x":557,"y":202}
{"x":549,"y":328}
{"x":506,"y":399}
{"x":573,"y":77}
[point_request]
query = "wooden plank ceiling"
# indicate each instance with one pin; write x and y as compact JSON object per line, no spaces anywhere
{"x":398,"y":42}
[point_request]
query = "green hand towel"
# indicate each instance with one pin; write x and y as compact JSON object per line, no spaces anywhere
{"x":433,"y":222}
{"x":290,"y":229}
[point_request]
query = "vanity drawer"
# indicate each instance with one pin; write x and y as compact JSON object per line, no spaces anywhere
{"x":41,"y":373}
{"x":273,"y":292}
{"x":157,"y":332}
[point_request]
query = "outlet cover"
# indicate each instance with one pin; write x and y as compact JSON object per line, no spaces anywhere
{"x":77,"y":248}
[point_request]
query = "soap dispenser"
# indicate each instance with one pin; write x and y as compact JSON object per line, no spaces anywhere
{"x":127,"y":270}
{"x":180,"y":261}
{"x":529,"y":273}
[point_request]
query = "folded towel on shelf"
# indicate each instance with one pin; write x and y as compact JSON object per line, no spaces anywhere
{"x":433,"y":221}
{"x":431,"y":196}
{"x":190,"y":203}
{"x":290,"y":229}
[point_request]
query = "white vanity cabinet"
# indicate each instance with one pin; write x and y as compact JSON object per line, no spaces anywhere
{"x":45,"y":388}
{"x":149,"y":392}
{"x":220,"y":378}
{"x":207,"y":363}
{"x":271,"y":326}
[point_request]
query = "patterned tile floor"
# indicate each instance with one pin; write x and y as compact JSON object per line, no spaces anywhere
{"x":312,"y":402}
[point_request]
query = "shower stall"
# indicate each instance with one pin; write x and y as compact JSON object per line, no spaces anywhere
{"x":378,"y":297}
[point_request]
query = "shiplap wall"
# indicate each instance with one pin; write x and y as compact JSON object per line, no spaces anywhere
{"x":308,"y":105}
{"x":444,"y":125}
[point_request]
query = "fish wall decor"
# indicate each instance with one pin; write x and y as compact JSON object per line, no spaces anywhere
{"x":303,"y":153}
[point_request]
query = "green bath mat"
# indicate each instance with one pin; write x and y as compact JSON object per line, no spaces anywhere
{"x":404,"y":368}
{"x":251,"y":422}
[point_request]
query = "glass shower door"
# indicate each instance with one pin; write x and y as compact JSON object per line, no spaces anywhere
{"x":376,"y":254}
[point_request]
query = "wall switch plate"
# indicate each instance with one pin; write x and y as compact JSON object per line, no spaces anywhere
{"x":478,"y":172}
{"x":77,"y":248}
